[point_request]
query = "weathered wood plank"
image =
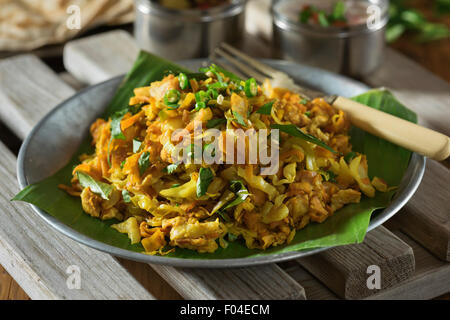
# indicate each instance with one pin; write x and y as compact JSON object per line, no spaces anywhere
{"x":430,"y":279}
{"x":426,"y":217}
{"x":28,"y":90}
{"x":314,"y":289}
{"x":38,"y":257}
{"x":100,"y":57}
{"x":81,"y":54}
{"x":35,"y":255}
{"x":344,"y":269}
{"x":251,"y":283}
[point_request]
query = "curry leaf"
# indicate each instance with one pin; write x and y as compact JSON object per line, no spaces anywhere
{"x":241,"y":194}
{"x":116,"y":130}
{"x":296,"y":132}
{"x":215,"y":122}
{"x":266,"y":109}
{"x":239,"y":118}
{"x":144,"y":162}
{"x":102,"y":189}
{"x":205,"y":178}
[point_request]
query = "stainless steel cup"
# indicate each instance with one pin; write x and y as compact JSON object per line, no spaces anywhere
{"x":185,"y":34}
{"x":354,"y":51}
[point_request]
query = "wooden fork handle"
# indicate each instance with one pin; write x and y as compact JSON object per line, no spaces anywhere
{"x":406,"y":134}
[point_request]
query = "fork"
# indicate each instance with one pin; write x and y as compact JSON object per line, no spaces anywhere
{"x":403,"y":133}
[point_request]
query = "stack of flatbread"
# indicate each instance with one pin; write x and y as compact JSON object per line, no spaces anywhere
{"x":29,"y":24}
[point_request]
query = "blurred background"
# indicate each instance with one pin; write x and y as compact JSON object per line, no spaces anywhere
{"x":418,"y":28}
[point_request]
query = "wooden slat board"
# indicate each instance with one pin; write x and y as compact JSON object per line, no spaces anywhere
{"x":344,"y":269}
{"x":236,"y":288}
{"x":38,"y":257}
{"x":27,"y":92}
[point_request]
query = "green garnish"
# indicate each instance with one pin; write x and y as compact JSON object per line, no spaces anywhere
{"x":116,"y":130}
{"x":135,"y":108}
{"x":215,"y":122}
{"x":171,"y":98}
{"x":122,"y":164}
{"x":136,"y":145}
{"x":349,"y":156}
{"x":126,"y":196}
{"x":171,"y":168}
{"x":338,"y":13}
{"x":184,"y":81}
{"x":100,"y":188}
{"x":296,"y":132}
{"x":175,"y":185}
{"x":305,"y":15}
{"x":144,"y":162}
{"x":322,"y":18}
{"x":251,"y":88}
{"x":205,"y":177}
{"x":239,"y":118}
{"x":328,"y":175}
{"x":201,"y":98}
{"x":241,"y":194}
{"x":307,"y":113}
{"x":266,"y":109}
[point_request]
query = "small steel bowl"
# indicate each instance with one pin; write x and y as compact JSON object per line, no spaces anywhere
{"x":354,"y":51}
{"x":186,"y":34}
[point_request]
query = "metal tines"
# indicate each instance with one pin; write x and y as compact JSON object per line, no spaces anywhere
{"x":244,"y":66}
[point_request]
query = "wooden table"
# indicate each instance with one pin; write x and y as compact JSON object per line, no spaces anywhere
{"x":412,"y":250}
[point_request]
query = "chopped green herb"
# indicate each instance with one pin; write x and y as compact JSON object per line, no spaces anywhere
{"x":239,"y":118}
{"x":136,"y":145}
{"x":122,"y":164}
{"x":116,"y":130}
{"x":304,"y":101}
{"x":171,"y":168}
{"x":296,"y":132}
{"x":266,"y":109}
{"x":126,"y":196}
{"x":232,"y":237}
{"x":328,"y":175}
{"x":100,"y":188}
{"x":144,"y":162}
{"x":205,"y":178}
{"x":241,"y":194}
{"x":135,"y":108}
{"x":338,"y":13}
{"x":305,"y":15}
{"x":323,"y":20}
{"x":175,"y":185}
{"x":349,"y":156}
{"x":215,"y":122}
{"x":308,"y":113}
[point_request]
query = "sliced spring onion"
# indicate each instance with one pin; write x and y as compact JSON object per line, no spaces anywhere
{"x":183,"y":80}
{"x":251,"y":88}
{"x":171,"y":97}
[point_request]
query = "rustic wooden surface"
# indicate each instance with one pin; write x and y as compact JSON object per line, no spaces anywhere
{"x":344,"y":269}
{"x":439,"y":66}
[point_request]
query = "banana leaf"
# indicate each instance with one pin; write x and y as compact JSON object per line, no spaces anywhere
{"x":347,"y":226}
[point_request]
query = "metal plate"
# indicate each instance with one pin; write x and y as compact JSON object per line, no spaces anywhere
{"x":58,"y":135}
